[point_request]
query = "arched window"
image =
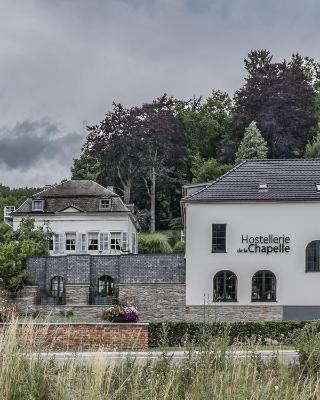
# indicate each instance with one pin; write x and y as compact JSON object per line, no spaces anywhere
{"x":105,"y":286}
{"x":313,"y":256}
{"x":225,"y":286}
{"x":263,"y":286}
{"x":57,"y":286}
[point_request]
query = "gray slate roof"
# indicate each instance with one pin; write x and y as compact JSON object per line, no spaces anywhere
{"x":75,"y":188}
{"x":286,"y":180}
{"x":81,"y":194}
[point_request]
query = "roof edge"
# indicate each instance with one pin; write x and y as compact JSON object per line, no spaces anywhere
{"x":215,"y":181}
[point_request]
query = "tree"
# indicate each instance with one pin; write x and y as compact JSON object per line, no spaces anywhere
{"x":26,"y":242}
{"x":313,"y":147}
{"x":281,"y":98}
{"x":85,"y":167}
{"x":207,"y":170}
{"x":14,"y":197}
{"x":162,"y":142}
{"x":205,"y":122}
{"x":252,"y":146}
{"x":116,"y":143}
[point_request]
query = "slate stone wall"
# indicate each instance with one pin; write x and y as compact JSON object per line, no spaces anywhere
{"x":157,"y":301}
{"x":86,"y":269}
{"x":222,"y":312}
{"x":154,"y":282}
{"x":77,"y":294}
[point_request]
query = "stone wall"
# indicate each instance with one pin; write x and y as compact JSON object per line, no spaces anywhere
{"x":77,"y":294}
{"x":86,"y":269}
{"x":75,"y":336}
{"x":153,"y":282}
{"x":222,"y":312}
{"x":156,"y":301}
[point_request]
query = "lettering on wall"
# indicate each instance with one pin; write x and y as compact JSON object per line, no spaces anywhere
{"x":269,"y":244}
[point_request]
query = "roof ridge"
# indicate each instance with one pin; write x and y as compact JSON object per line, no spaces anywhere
{"x":282,"y":159}
{"x":219,"y":178}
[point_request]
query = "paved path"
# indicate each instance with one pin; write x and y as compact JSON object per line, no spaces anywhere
{"x":115,"y":357}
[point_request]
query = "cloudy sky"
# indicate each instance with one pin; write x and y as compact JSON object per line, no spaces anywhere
{"x":63,"y":62}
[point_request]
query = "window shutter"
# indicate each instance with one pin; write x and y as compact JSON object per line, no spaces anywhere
{"x":83,"y":242}
{"x":56,"y":243}
{"x":124,"y":242}
{"x":79,"y":242}
{"x":62,"y":242}
{"x":59,"y":243}
{"x":133,"y":250}
{"x":104,"y":242}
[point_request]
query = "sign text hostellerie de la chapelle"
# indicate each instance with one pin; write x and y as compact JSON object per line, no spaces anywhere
{"x":265,"y":244}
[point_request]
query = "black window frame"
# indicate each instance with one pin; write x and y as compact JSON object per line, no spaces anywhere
{"x":264,"y":293}
{"x":57,"y":288}
{"x":313,"y":256}
{"x":106,"y":286}
{"x":71,"y":242}
{"x":222,"y":277}
{"x":219,"y":234}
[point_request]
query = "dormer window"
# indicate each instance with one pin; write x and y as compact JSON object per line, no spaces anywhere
{"x":105,"y":204}
{"x":263,"y":186}
{"x":318,"y":187}
{"x":37,"y":205}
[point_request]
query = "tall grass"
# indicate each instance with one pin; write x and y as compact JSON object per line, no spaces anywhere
{"x":213,"y":374}
{"x":154,"y":243}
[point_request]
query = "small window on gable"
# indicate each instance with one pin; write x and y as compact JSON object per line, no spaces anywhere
{"x":37,"y":205}
{"x":105,"y":204}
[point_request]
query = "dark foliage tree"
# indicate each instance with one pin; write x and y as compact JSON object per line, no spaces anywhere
{"x":162,"y":141}
{"x":139,"y":145}
{"x":281,"y":98}
{"x":115,"y":142}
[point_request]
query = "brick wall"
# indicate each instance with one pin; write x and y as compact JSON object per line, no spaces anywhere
{"x":75,"y":336}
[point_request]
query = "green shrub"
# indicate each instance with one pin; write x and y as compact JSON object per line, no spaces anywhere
{"x":308,"y":346}
{"x":179,"y":333}
{"x":179,"y":247}
{"x":154,"y":243}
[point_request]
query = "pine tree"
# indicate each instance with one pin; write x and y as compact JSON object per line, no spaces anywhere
{"x":252,"y":146}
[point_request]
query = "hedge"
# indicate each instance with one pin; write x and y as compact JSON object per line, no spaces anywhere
{"x":176,"y":334}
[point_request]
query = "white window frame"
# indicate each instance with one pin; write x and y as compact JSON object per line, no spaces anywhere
{"x":105,"y":208}
{"x":88,"y":240}
{"x":112,"y":249}
{"x":37,"y":201}
{"x":75,"y":241}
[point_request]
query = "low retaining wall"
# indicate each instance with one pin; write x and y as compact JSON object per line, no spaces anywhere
{"x":89,"y":336}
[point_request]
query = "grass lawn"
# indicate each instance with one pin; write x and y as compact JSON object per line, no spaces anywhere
{"x":213,"y":375}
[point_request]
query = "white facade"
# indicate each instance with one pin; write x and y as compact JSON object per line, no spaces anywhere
{"x":83,"y":218}
{"x":298,"y":221}
{"x":114,"y":233}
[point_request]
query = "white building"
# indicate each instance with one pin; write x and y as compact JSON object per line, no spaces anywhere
{"x":85,"y":218}
{"x":253,"y":240}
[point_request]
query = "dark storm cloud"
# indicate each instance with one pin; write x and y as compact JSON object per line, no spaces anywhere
{"x":69,"y":59}
{"x":30,"y":142}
